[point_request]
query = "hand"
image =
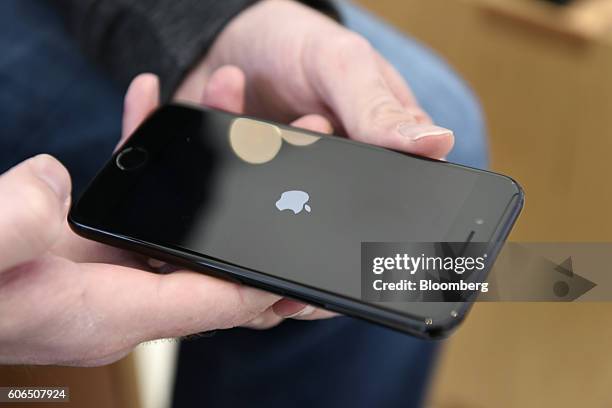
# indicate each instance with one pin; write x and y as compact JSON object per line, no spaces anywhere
{"x":66,"y":300}
{"x":298,"y":61}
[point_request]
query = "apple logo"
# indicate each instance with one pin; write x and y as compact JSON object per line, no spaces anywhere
{"x":293,"y":200}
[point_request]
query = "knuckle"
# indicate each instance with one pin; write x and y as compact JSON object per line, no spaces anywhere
{"x":36,"y":218}
{"x":380,"y":115}
{"x":383,"y":109}
{"x":237,"y":310}
{"x":38,"y":206}
{"x":249,"y":304}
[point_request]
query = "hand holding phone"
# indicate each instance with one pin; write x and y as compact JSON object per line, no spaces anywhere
{"x":230,"y":196}
{"x":71,"y":301}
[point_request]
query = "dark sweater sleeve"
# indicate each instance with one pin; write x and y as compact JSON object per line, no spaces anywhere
{"x":166,"y":37}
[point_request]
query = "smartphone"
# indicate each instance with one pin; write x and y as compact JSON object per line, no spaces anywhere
{"x":286,"y":210}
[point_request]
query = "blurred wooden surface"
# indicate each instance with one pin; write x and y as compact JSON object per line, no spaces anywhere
{"x":548,"y":103}
{"x":547,"y":96}
{"x":112,"y":386}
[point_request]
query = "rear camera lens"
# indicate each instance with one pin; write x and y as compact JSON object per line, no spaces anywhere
{"x":132,"y":158}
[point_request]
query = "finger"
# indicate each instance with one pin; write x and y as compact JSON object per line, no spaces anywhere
{"x":402,"y":91}
{"x":156,"y":263}
{"x":264,"y":321}
{"x":350,"y":81}
{"x":35,"y":198}
{"x":316,"y":123}
{"x":317,"y":314}
{"x":158,"y":306}
{"x":225,"y":89}
{"x":291,"y":309}
{"x":93,"y":312}
{"x":141,"y":99}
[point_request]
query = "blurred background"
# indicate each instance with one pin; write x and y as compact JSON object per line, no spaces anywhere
{"x":543,"y":72}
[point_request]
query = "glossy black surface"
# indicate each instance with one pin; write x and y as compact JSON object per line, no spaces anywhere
{"x":211,"y":182}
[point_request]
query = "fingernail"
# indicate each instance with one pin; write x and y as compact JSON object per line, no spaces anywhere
{"x":308,"y":310}
{"x":415,"y":132}
{"x":53,"y":174}
{"x":155,"y":263}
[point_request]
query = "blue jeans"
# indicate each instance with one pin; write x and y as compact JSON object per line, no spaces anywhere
{"x":53,"y":100}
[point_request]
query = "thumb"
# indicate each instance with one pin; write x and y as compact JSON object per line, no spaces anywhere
{"x":35,"y":198}
{"x":380,"y":118}
{"x":367,"y":104}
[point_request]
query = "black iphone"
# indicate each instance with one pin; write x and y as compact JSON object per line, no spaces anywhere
{"x":287,"y":210}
